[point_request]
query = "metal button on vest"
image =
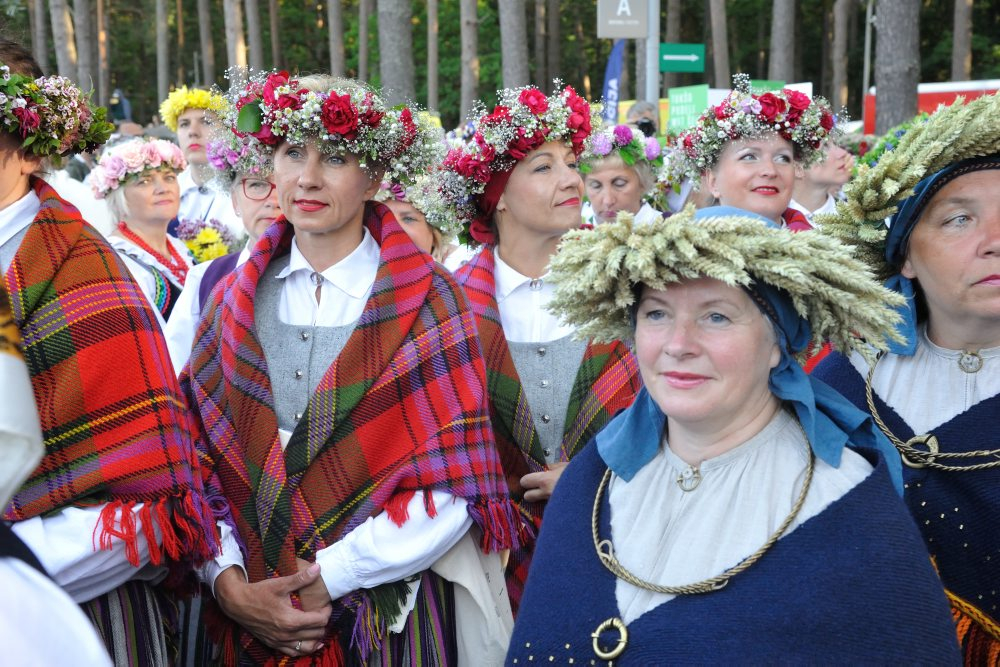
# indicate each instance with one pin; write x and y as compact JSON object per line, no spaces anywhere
{"x":304,"y":335}
{"x":298,"y":416}
{"x":541,"y":351}
{"x":548,"y":452}
{"x":543,"y":384}
{"x":546,"y":419}
{"x":298,"y":375}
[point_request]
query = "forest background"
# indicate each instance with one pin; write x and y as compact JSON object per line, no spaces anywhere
{"x":446,"y":53}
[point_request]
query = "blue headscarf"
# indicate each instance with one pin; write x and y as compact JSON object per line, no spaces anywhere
{"x":829,"y":420}
{"x":897,"y":240}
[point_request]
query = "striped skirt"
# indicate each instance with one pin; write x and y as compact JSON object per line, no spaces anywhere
{"x":135,"y":621}
{"x":428,"y":638}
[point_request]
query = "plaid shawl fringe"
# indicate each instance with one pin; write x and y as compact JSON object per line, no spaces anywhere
{"x":120,"y":440}
{"x":402,"y":408}
{"x":606,"y":382}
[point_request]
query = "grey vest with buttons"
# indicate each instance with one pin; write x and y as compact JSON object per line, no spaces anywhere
{"x":297,"y":356}
{"x":547,"y":372}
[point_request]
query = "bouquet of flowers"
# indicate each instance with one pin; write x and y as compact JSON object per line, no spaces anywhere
{"x":207,"y":239}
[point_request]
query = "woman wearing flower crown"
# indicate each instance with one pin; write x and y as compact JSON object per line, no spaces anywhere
{"x":341,"y":391}
{"x":138,"y":179}
{"x":415,"y":210}
{"x":117,"y":502}
{"x":248,"y":176}
{"x":517,"y":190}
{"x":937,"y":397}
{"x":620,"y":168}
{"x":739,"y":512}
{"x":746,"y":150}
{"x":193,"y":114}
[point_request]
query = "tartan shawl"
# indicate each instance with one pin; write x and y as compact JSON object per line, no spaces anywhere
{"x":607,"y":381}
{"x":116,"y":428}
{"x":403,"y":407}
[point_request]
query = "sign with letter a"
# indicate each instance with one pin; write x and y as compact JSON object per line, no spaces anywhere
{"x":622,"y":19}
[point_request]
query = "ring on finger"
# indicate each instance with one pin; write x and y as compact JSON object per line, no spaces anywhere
{"x":298,"y":645}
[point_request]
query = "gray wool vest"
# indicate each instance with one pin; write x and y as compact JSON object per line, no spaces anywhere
{"x":547,"y":372}
{"x":297,"y":356}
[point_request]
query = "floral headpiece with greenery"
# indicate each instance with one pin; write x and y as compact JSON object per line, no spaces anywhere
{"x":627,"y":142}
{"x":349,"y":117}
{"x":184,"y":98}
{"x":424,"y":195}
{"x":51,"y":114}
{"x":523,"y":120}
{"x":950,"y":135}
{"x":745,"y":115}
{"x":596,"y":271}
{"x":131,"y":158}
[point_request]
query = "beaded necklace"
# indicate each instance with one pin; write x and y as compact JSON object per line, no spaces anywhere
{"x":176,"y":265}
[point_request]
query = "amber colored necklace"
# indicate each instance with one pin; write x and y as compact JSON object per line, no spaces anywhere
{"x":176,"y":265}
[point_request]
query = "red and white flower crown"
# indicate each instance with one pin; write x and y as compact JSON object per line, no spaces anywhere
{"x":523,"y":120}
{"x":349,"y":117}
{"x":744,"y":115}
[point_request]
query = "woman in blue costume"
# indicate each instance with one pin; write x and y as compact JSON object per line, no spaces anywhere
{"x":937,"y":397}
{"x":738,"y":511}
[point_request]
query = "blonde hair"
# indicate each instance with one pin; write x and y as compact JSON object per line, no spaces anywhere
{"x":642,"y":169}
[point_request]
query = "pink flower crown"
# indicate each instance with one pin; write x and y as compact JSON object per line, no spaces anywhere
{"x":350,"y":117}
{"x":51,"y":114}
{"x":123,"y":161}
{"x":523,"y":120}
{"x":788,"y":113}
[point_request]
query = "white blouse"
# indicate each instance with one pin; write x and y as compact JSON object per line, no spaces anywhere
{"x":670,"y":537}
{"x":904,"y":383}
{"x":523,"y":303}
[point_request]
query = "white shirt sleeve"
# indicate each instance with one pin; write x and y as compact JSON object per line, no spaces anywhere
{"x":229,"y":556}
{"x":180,"y":328}
{"x":66,"y":545}
{"x":378,"y":551}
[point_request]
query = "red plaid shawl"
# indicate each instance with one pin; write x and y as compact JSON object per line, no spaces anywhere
{"x":607,"y":381}
{"x":402,"y":408}
{"x":116,"y":428}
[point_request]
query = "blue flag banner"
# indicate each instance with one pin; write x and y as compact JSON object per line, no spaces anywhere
{"x":612,"y":75}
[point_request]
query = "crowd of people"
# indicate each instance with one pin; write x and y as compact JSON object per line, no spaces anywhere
{"x":329,"y":387}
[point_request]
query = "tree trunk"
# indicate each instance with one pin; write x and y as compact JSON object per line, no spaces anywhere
{"x":84,"y":63}
{"x":470,"y":56}
{"x":162,"y":55}
{"x":335,"y":19}
{"x":432,"y":54}
{"x":62,"y":36}
{"x":582,"y":75}
{"x":554,"y":42}
{"x":672,"y":35}
{"x":364,"y":11}
{"x":236,"y":45}
{"x":640,"y":69}
{"x":838,"y":54}
{"x":40,"y":35}
{"x":274,"y":16}
{"x":720,"y":44}
{"x":255,"y":36}
{"x":781,"y":65}
{"x":103,"y":59}
{"x":395,"y":40}
{"x":181,"y":77}
{"x":897,"y":62}
{"x":538,"y":45}
{"x":514,"y":37}
{"x":207,"y":45}
{"x":961,"y":45}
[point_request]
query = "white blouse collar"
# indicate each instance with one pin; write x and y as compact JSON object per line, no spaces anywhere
{"x":354,"y":275}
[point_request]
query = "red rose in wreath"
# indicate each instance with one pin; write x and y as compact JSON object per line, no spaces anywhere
{"x":339,"y":116}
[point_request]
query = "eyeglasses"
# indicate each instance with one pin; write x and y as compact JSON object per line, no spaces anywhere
{"x":256,"y":189}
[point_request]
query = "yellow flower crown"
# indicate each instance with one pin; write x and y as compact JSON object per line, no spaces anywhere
{"x":184,"y":98}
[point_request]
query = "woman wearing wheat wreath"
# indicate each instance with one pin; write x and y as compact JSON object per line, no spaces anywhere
{"x":738,"y":511}
{"x":937,"y":396}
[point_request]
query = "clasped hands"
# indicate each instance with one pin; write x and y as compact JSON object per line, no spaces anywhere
{"x":266,"y":611}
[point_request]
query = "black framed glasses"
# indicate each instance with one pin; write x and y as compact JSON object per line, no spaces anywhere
{"x":257,"y":189}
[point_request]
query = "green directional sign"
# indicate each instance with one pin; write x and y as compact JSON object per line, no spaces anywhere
{"x":682,"y":57}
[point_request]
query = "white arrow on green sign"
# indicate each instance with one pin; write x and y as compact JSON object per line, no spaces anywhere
{"x":682,"y":57}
